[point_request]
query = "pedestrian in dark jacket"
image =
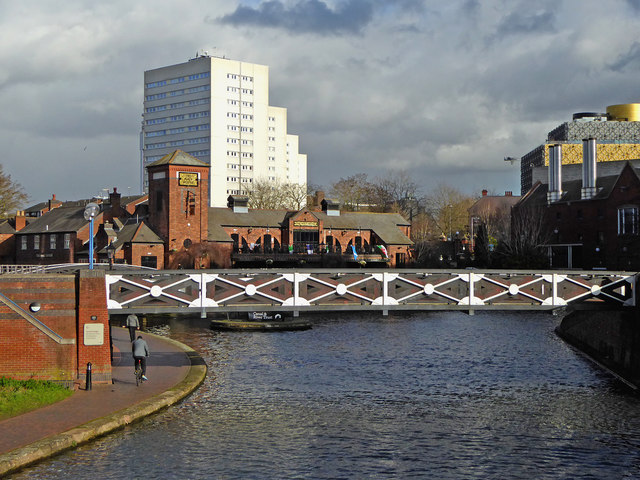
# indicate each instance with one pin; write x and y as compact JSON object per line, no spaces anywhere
{"x":133,"y":324}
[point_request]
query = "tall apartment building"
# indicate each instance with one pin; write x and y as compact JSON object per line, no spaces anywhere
{"x":617,"y":133}
{"x":218,"y":110}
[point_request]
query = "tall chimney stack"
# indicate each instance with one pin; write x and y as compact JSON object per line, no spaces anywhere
{"x":588,"y":168}
{"x":555,"y":173}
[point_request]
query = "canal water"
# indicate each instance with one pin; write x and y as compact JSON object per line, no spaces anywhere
{"x":422,"y":395}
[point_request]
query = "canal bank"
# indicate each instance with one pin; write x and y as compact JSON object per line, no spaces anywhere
{"x":611,"y":338}
{"x":174,"y":370}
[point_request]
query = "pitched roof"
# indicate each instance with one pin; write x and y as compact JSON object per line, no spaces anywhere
{"x":385,"y":225}
{"x":138,"y":233}
{"x":178,"y":157}
{"x":37,"y":207}
{"x":135,"y":233}
{"x":67,"y":218}
{"x":5,"y":227}
{"x":493,"y":203}
{"x":572,"y":190}
{"x":135,"y":199}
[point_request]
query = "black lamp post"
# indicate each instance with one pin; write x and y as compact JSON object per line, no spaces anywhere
{"x":111,"y":251}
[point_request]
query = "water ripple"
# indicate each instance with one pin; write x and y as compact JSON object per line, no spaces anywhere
{"x":443,"y":396}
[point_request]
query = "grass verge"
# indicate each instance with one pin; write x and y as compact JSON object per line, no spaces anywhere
{"x":20,"y":396}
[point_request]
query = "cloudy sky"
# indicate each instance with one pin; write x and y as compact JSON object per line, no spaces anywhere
{"x":444,"y":89}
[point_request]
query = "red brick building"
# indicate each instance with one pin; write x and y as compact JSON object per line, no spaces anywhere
{"x":174,"y":227}
{"x":197,"y":236}
{"x":599,"y":229}
{"x":61,"y":234}
{"x":325,"y":237}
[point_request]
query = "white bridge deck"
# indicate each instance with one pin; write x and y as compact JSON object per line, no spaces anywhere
{"x":182,"y":291}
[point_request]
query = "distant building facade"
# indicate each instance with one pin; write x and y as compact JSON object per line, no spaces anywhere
{"x":617,"y":133}
{"x":590,"y":222}
{"x":218,"y":111}
{"x":492,"y":211}
{"x":62,"y":234}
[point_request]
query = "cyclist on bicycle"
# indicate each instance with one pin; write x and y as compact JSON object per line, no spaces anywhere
{"x":140,"y":351}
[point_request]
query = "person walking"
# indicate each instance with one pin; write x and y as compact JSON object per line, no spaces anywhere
{"x":133,"y":324}
{"x":140,"y":351}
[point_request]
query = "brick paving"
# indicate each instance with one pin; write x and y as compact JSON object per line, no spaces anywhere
{"x":167,"y":366}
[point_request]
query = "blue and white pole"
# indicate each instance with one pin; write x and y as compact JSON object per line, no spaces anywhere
{"x":90,"y":212}
{"x":91,"y":244}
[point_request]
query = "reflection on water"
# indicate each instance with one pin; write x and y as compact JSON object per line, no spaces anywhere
{"x":429,"y":395}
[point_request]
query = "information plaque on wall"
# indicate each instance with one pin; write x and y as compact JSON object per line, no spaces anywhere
{"x":93,"y":334}
{"x":187,"y":179}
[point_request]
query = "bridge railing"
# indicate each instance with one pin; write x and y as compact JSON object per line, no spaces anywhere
{"x":65,"y":268}
{"x":362,"y":289}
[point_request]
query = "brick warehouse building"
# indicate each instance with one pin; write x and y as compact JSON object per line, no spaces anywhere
{"x":174,"y":227}
{"x":591,"y":222}
{"x":197,"y":236}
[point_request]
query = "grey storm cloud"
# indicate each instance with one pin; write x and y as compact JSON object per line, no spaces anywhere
{"x":519,"y":23}
{"x":629,"y":60}
{"x":635,"y":4}
{"x":305,"y":16}
{"x":445,"y":90}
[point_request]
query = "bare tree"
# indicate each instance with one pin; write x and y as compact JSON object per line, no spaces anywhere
{"x":295,"y":195}
{"x":12,"y":196}
{"x":449,"y":209}
{"x":394,"y":189}
{"x":267,"y":194}
{"x":354,"y":192}
{"x":497,"y":221}
{"x":526,"y":246}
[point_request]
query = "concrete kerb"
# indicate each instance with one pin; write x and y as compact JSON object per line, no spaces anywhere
{"x":56,"y":444}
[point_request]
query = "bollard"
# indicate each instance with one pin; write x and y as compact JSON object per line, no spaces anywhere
{"x":88,"y":380}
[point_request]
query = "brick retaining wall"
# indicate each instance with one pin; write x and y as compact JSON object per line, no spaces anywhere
{"x":48,"y":344}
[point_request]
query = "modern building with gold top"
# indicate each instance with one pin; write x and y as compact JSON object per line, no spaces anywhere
{"x":617,"y":135}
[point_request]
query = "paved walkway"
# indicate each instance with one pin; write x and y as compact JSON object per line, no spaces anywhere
{"x":173,"y":369}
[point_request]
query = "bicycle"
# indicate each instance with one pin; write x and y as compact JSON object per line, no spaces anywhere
{"x":138,"y":371}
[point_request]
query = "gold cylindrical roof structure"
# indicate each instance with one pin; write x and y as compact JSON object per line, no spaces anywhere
{"x":626,"y":112}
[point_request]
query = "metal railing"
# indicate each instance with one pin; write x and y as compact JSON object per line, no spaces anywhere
{"x":358,"y":289}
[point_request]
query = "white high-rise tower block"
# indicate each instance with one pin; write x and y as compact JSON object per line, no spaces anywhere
{"x":218,"y":111}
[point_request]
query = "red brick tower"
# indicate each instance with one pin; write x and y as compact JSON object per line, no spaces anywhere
{"x":179,"y":201}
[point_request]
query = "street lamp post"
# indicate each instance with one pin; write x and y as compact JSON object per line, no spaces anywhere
{"x":90,"y":212}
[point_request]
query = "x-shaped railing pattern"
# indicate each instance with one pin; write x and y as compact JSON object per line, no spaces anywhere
{"x":228,"y":290}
